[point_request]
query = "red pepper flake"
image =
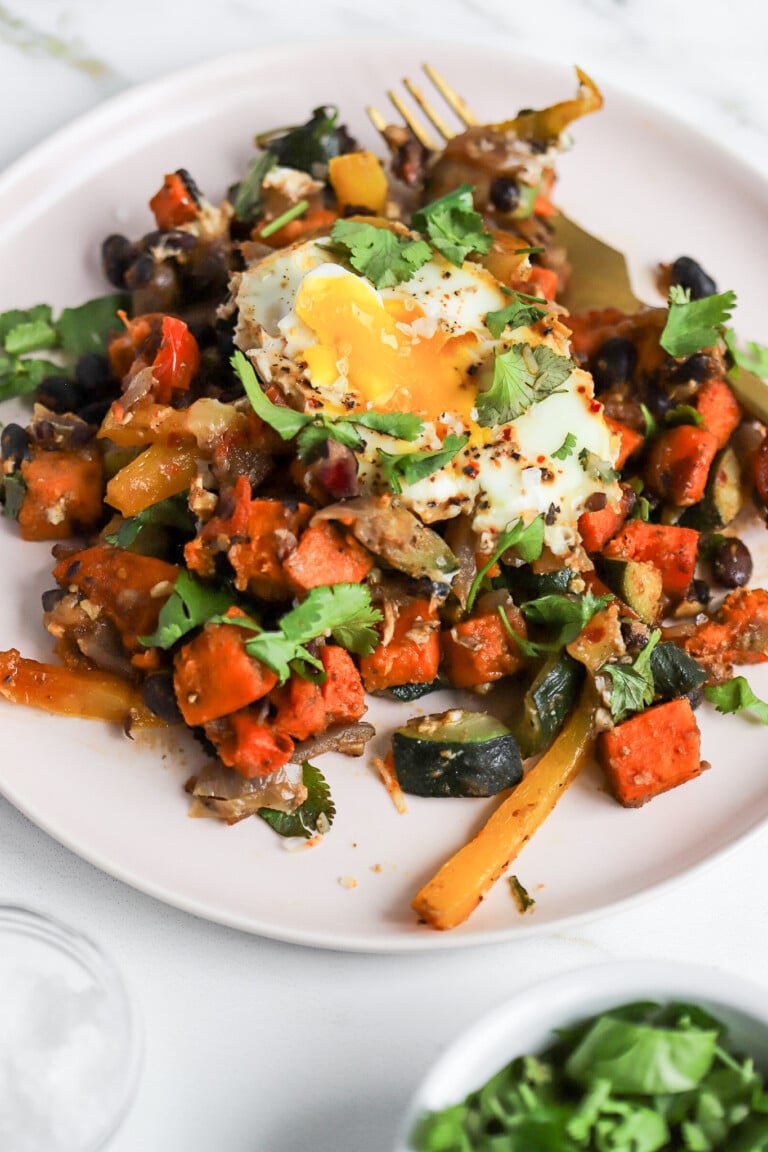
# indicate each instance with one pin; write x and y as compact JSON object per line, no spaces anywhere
{"x":581,"y":388}
{"x":595,"y":406}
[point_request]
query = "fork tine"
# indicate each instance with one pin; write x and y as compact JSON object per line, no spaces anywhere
{"x":419,"y":132}
{"x":376,"y":119}
{"x":432,"y":115}
{"x":452,"y":98}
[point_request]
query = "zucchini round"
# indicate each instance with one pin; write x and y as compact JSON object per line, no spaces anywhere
{"x":456,"y":753}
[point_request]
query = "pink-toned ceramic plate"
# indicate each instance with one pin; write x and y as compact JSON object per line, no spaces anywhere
{"x":649,"y":186}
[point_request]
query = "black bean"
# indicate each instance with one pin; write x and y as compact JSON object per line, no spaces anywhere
{"x":505,"y":194}
{"x":699,"y":591}
{"x":732,"y":563}
{"x":614,"y":363}
{"x":14,"y":443}
{"x":94,"y":375}
{"x":206,"y":271}
{"x":117,"y":254}
{"x":95,"y":411}
{"x":160,"y":293}
{"x":596,"y":502}
{"x":51,"y":597}
{"x":159,"y":696}
{"x":688,"y":274}
{"x":140,"y":272}
{"x":698,"y":367}
{"x":60,"y":394}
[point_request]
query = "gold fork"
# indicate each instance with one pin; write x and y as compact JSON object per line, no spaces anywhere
{"x":455,"y":102}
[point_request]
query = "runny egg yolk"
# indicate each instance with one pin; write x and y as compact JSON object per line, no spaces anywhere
{"x":373,"y":344}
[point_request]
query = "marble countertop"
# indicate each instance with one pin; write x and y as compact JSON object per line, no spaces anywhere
{"x":252,"y":1045}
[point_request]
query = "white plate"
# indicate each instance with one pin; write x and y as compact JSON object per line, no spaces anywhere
{"x":526,"y":1024}
{"x":652,"y":188}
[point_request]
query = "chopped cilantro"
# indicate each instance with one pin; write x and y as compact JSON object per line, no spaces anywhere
{"x":172,"y":512}
{"x":683,"y":414}
{"x":414,"y":466}
{"x":566,"y":616}
{"x":292,"y":213}
{"x":522,"y":377}
{"x":247,"y":203}
{"x":753,"y":359}
{"x":566,"y":448}
{"x":520,"y":895}
{"x":596,"y":468}
{"x":516,"y":314}
{"x":31,"y":336}
{"x":651,"y":426}
{"x":309,"y":146}
{"x":378,"y":254}
{"x":632,"y":687}
{"x":736,"y":696}
{"x":190,"y":604}
{"x":694,"y":324}
{"x":314,"y":816}
{"x":526,"y":539}
{"x":452,"y":225}
{"x":285,"y":421}
{"x":343,"y":611}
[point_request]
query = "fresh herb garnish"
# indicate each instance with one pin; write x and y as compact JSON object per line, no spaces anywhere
{"x":248,"y":199}
{"x":311,"y":818}
{"x":309,"y":146}
{"x":24,"y":332}
{"x":13,"y":489}
{"x":452,"y":225}
{"x":632,"y":687}
{"x":292,"y":213}
{"x":516,"y":314}
{"x":683,"y":414}
{"x":172,"y":512}
{"x":415,"y":466}
{"x":752,"y":359}
{"x":566,"y":616}
{"x":378,"y":254}
{"x":191,"y":604}
{"x":566,"y":448}
{"x":526,"y":539}
{"x":522,"y":377}
{"x":596,"y":468}
{"x":313,"y":431}
{"x":520,"y":895}
{"x":694,"y":324}
{"x":736,"y":696}
{"x":343,"y":611}
{"x":649,"y":421}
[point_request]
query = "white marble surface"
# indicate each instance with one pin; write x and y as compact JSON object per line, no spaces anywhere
{"x":254,"y":1046}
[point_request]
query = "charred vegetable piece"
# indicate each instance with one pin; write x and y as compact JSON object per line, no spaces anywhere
{"x":548,"y":702}
{"x":722,"y":497}
{"x":630,"y":752}
{"x":636,"y":582}
{"x":456,"y":753}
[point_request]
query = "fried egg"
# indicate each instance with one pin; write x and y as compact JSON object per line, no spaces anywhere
{"x":326,"y":337}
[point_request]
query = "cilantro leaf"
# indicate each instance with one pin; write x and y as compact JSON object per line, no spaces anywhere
{"x":694,"y":324}
{"x":567,"y":616}
{"x":86,"y":328}
{"x":683,"y":414}
{"x":172,"y":512}
{"x":632,"y":684}
{"x":378,"y":254}
{"x":282,"y":655}
{"x":16,"y":316}
{"x":516,"y":314}
{"x":401,"y":425}
{"x":754,"y":359}
{"x":522,"y":377}
{"x":309,"y":146}
{"x":190,"y":604}
{"x":285,"y":421}
{"x":527,"y":539}
{"x":736,"y":696}
{"x":596,"y":468}
{"x":30,"y":336}
{"x":452,"y":225}
{"x":343,"y":610}
{"x":314,"y":816}
{"x":414,"y":466}
{"x":566,"y":448}
{"x":520,"y":895}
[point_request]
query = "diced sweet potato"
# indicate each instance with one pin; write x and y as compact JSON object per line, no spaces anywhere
{"x":412,"y":653}
{"x":327,"y":555}
{"x":250,"y":746}
{"x":630,"y":441}
{"x":128,"y":587}
{"x":597,"y":528}
{"x":300,"y":708}
{"x":64,"y":495}
{"x":480,"y":650}
{"x":342,"y":689}
{"x":673,"y":550}
{"x":214,"y":675}
{"x":651,"y":752}
{"x":737,"y":635}
{"x":678,"y":464}
{"x":719,"y":409}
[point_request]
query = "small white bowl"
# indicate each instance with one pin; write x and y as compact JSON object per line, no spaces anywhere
{"x":525,"y":1024}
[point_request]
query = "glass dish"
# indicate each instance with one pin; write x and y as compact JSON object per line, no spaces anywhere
{"x":70,"y":1043}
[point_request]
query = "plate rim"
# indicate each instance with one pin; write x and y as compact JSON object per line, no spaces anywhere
{"x":121,"y":106}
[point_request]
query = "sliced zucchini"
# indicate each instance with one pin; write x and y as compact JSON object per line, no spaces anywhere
{"x":637,"y":583}
{"x":456,"y":753}
{"x":409,"y":692}
{"x":722,"y":498}
{"x":548,"y":702}
{"x":674,"y":672}
{"x":525,"y":584}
